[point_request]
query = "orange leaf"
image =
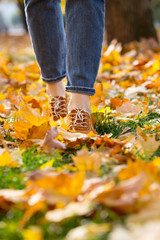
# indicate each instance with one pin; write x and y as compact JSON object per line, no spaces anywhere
{"x":2,"y":108}
{"x":21,"y":129}
{"x":66,"y":184}
{"x":39,"y":132}
{"x":116,"y":102}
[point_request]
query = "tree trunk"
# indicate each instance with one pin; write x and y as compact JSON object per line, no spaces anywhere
{"x":21,"y":7}
{"x":129,"y":20}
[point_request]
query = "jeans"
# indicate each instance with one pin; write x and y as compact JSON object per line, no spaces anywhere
{"x":75,"y":52}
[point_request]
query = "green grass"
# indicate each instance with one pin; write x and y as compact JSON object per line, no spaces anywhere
{"x":32,"y":159}
{"x":9,"y":225}
{"x":110,"y":125}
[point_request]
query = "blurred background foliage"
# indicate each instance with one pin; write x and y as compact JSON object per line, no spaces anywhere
{"x":143,"y":17}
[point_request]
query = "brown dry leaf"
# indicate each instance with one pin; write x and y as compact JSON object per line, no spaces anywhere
{"x":113,"y":151}
{"x":49,"y":143}
{"x":121,"y":197}
{"x":128,"y":107}
{"x":148,"y":143}
{"x":110,"y":146}
{"x":86,"y":161}
{"x":79,"y":142}
{"x":107,"y":141}
{"x":148,"y":169}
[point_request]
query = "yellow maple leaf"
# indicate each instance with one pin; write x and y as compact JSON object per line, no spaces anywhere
{"x":21,"y":129}
{"x":85,"y":161}
{"x":66,"y":184}
{"x":32,"y":116}
{"x":135,"y":168}
{"x":6,"y":160}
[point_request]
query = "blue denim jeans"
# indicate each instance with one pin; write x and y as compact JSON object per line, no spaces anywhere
{"x":75,"y":52}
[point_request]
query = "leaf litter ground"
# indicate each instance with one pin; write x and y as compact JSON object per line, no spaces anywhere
{"x":60,"y":185}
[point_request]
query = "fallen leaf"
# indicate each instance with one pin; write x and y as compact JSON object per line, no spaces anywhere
{"x":128,"y":107}
{"x":6,"y":160}
{"x":132,"y":92}
{"x":149,"y":143}
{"x":86,"y":161}
{"x":66,"y":184}
{"x":71,"y":210}
{"x":39,"y":132}
{"x":122,"y":198}
{"x":21,"y":129}
{"x":32,"y":116}
{"x":117,"y":102}
{"x":49,"y":143}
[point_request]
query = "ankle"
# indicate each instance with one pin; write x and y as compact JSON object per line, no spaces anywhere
{"x":56,"y":89}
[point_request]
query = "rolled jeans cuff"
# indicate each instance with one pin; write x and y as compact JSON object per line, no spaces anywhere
{"x":53,"y":80}
{"x":79,"y":89}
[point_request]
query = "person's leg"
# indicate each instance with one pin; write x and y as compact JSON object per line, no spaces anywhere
{"x":85,"y":20}
{"x":45,"y":23}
